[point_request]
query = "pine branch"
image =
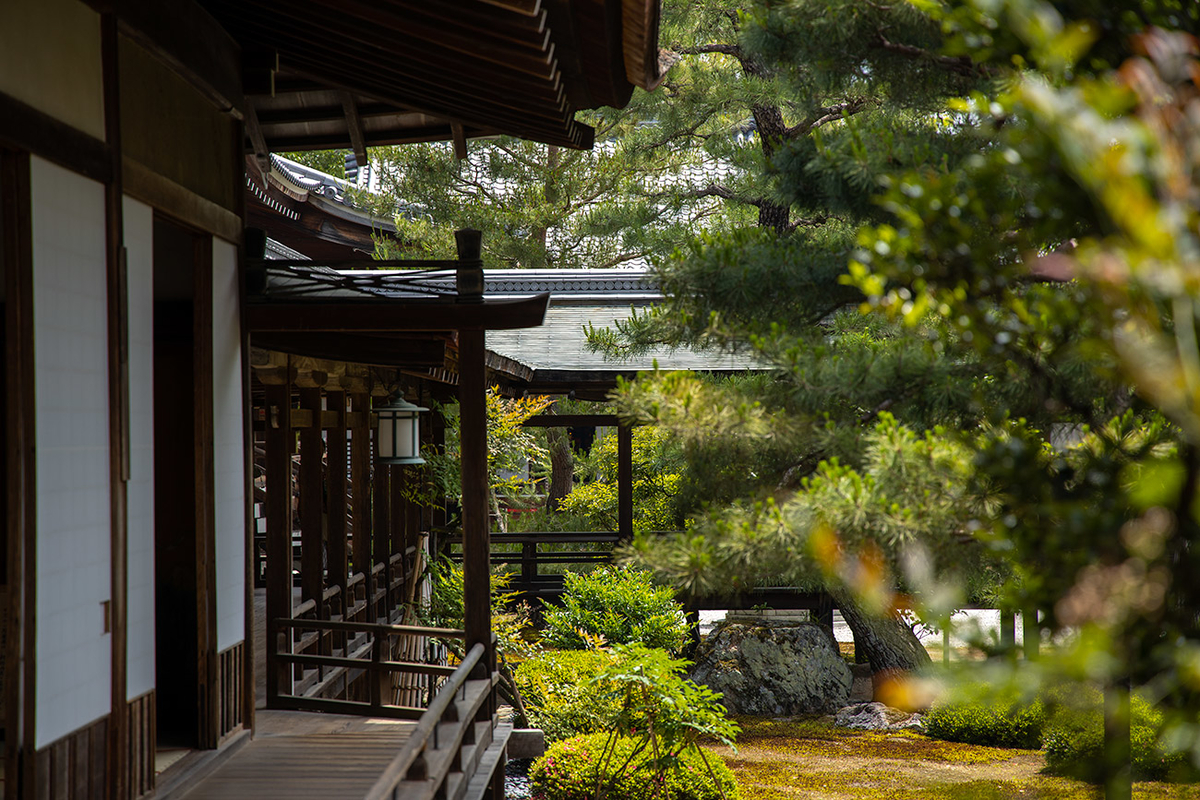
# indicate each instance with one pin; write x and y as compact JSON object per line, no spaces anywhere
{"x":826,"y":115}
{"x":961,"y":65}
{"x":715,"y":47}
{"x":725,"y":193}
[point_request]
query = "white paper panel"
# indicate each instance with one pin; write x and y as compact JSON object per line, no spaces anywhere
{"x":73,"y":653}
{"x":229,"y":456}
{"x":139,"y":247}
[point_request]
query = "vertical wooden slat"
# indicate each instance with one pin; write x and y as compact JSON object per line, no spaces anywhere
{"x":335,"y":446}
{"x":625,"y":481}
{"x":311,"y":492}
{"x":16,"y":256}
{"x":279,"y":530}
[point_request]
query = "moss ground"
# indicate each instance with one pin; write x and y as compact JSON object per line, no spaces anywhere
{"x":810,"y":759}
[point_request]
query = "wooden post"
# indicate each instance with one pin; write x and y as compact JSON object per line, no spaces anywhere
{"x":381,"y":535}
{"x":118,"y":417}
{"x":360,"y":478}
{"x":312,"y":555}
{"x":399,"y":535}
{"x":279,"y":531}
{"x":476,"y":536}
{"x":625,"y":481}
{"x":1008,"y":629}
{"x":472,"y":398}
{"x":335,"y":447}
{"x":1031,"y":633}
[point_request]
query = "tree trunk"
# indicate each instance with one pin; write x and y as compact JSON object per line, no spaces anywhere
{"x":772,"y":132}
{"x":889,"y":644}
{"x":562,"y":467}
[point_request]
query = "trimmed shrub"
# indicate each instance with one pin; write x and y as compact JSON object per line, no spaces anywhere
{"x":569,"y":771}
{"x":560,"y":697}
{"x":1074,"y":741}
{"x":975,"y":717}
{"x":620,"y":606}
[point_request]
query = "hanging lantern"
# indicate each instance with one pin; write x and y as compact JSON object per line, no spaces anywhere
{"x":399,"y":432}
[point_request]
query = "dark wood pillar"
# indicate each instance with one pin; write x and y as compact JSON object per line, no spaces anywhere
{"x":625,"y":481}
{"x":20,"y":503}
{"x":208,"y":666}
{"x":381,"y":534}
{"x":312,"y":489}
{"x":118,"y":414}
{"x":360,"y":478}
{"x":279,"y":531}
{"x":473,"y":442}
{"x":335,"y":456}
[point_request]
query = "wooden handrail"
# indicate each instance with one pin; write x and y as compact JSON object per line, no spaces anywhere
{"x":397,"y":771}
{"x":369,"y":627}
{"x":330,"y":593}
{"x":412,"y":667}
{"x":354,"y":580}
{"x":556,"y":537}
{"x":305,"y":607}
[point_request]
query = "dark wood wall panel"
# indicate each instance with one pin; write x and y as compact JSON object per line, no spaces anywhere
{"x":232,"y":683}
{"x":140,"y":744}
{"x":76,"y":766}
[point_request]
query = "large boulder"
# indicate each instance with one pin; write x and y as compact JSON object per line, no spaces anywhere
{"x":774,"y":668}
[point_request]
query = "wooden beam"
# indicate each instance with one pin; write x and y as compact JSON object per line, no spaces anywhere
{"x":26,"y":128}
{"x":572,"y":421}
{"x":625,"y":481}
{"x":363,"y":348}
{"x":386,"y":316}
{"x":258,"y":144}
{"x":279,"y":532}
{"x":166,"y":195}
{"x":311,"y":494}
{"x":355,"y":127}
{"x":191,"y":43}
{"x":460,"y":140}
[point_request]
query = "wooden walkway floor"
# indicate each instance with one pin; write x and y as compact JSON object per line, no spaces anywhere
{"x":304,"y":755}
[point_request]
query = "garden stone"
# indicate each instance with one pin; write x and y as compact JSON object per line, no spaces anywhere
{"x":876,"y":717}
{"x":773,"y":668}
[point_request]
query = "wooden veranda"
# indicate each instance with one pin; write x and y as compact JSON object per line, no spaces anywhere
{"x":344,"y":540}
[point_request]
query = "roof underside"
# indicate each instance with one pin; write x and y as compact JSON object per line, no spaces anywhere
{"x":356,"y":73}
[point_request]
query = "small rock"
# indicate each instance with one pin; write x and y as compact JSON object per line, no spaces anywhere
{"x":876,"y":717}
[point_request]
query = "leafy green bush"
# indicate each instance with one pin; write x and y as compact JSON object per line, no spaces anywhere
{"x":619,"y":605}
{"x":560,"y":695}
{"x":1074,"y":741}
{"x":625,"y":768}
{"x":974,"y":715}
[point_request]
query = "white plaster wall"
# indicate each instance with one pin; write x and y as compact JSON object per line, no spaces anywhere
{"x":50,"y":59}
{"x":73,"y":653}
{"x":229,"y":453}
{"x":139,"y":248}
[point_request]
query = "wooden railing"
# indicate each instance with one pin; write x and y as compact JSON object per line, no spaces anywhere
{"x":382,"y":665}
{"x":532,"y":557}
{"x":444,"y":750}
